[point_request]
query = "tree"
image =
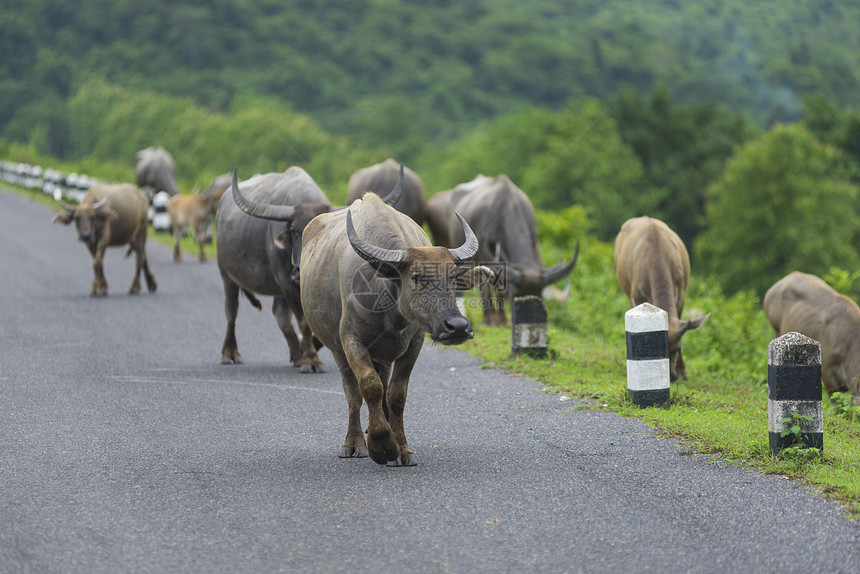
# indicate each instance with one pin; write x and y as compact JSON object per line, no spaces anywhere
{"x":683,"y":149}
{"x":571,"y":157}
{"x":784,"y":203}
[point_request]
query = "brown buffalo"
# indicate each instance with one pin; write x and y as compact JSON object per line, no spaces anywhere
{"x":110,"y":216}
{"x":653,"y":266}
{"x":194,"y":211}
{"x":371,"y":287}
{"x":805,"y":304}
{"x":381,"y":178}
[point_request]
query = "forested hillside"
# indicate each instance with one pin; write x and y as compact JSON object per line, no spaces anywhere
{"x":408,"y":72}
{"x":599,"y":110}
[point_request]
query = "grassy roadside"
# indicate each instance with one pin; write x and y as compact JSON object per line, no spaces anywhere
{"x":721,"y":410}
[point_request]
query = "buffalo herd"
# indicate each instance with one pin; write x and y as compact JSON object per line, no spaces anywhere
{"x":367,"y":282}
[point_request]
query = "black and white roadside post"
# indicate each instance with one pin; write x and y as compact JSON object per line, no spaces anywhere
{"x":160,"y":217}
{"x":647,"y":330}
{"x":794,"y":392}
{"x":529,"y":334}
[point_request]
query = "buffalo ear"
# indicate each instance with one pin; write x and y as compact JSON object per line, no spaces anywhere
{"x":64,"y":217}
{"x":691,"y":324}
{"x":108,"y":213}
{"x":475,"y":277}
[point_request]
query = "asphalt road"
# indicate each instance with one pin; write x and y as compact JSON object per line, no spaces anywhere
{"x":127,"y":447}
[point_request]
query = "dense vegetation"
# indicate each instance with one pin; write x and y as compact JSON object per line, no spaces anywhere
{"x":401,"y":73}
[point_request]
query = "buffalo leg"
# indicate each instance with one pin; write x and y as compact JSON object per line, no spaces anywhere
{"x":382,"y":445}
{"x":99,"y":287}
{"x":200,"y":238}
{"x":396,"y":398}
{"x":141,"y":264}
{"x":230,"y":350}
{"x":354,"y":444}
{"x":494,"y":307}
{"x":310,"y":362}
{"x":283,"y":316}
{"x":177,"y":237}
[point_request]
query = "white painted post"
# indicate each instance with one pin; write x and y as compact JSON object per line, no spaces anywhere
{"x":647,"y":329}
{"x":160,"y":217}
{"x":529,"y":334}
{"x":794,"y":388}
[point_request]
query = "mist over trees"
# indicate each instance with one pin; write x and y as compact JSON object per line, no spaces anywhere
{"x":598,"y":110}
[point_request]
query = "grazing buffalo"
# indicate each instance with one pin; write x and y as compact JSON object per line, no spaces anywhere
{"x":155,"y":171}
{"x":504,"y":221}
{"x":805,"y":304}
{"x":372,"y":286}
{"x":381,"y":178}
{"x":260,"y":226}
{"x":653,"y":266}
{"x":194,"y":211}
{"x":110,"y":216}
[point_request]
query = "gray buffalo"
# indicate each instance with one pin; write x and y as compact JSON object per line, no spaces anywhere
{"x":372,"y":286}
{"x":155,"y":171}
{"x":381,"y":178}
{"x":653,"y":266}
{"x":805,"y":304}
{"x":111,"y":216}
{"x":504,"y":221}
{"x":260,"y":226}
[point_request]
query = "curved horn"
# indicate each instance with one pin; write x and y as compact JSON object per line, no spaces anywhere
{"x":560,"y":269}
{"x":100,"y":204}
{"x":372,"y":253}
{"x":470,"y":246}
{"x":397,"y":191}
{"x":67,"y":206}
{"x":261,"y":210}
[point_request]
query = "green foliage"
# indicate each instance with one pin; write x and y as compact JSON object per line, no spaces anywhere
{"x":401,"y":74}
{"x":257,"y":135}
{"x":841,"y":405}
{"x":683,"y":149}
{"x":574,"y":156}
{"x":774,"y":211}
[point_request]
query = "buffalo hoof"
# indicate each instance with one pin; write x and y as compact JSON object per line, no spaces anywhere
{"x":404,"y":460}
{"x":225,"y":360}
{"x":98,"y":294}
{"x":353,"y":452}
{"x":383,"y":448}
{"x":312,"y":367}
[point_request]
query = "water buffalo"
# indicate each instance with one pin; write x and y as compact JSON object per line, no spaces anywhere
{"x":110,"y":216}
{"x":260,"y":225}
{"x":381,"y":178}
{"x":504,"y":221}
{"x":155,"y":171}
{"x":653,"y":266}
{"x":804,"y":303}
{"x":194,"y":211}
{"x":372,"y":286}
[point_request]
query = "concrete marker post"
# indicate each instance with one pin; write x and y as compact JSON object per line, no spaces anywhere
{"x":160,"y":217}
{"x":794,"y":388}
{"x":529,"y":334}
{"x":647,"y":332}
